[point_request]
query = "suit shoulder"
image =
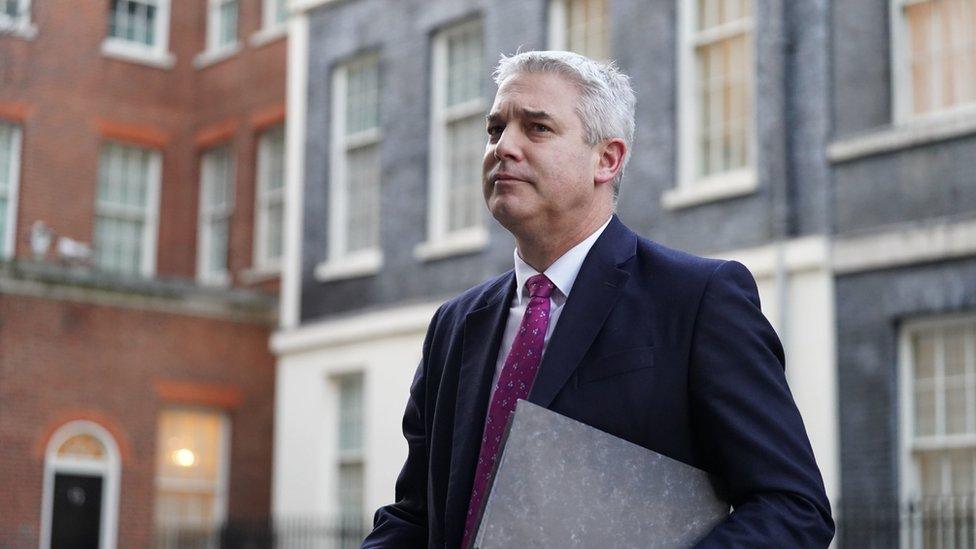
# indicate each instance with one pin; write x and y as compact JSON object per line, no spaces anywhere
{"x":476,"y":296}
{"x":673,"y":261}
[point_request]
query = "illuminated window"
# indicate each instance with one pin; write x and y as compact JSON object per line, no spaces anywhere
{"x":126,"y":207}
{"x":191,"y":476}
{"x":216,"y":207}
{"x":934,"y":56}
{"x":581,"y":26}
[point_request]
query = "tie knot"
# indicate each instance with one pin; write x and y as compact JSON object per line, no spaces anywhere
{"x":539,"y":286}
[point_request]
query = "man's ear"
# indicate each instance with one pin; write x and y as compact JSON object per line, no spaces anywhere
{"x":610,"y":161}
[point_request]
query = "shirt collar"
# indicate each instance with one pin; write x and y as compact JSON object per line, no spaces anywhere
{"x":563,"y":271}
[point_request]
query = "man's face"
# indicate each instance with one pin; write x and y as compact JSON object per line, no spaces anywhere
{"x":538,"y":170}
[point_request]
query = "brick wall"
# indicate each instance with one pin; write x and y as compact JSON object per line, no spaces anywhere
{"x":72,"y":93}
{"x":81,"y":358}
{"x":63,"y":360}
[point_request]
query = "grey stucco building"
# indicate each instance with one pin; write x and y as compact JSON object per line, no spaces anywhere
{"x":782,"y":134}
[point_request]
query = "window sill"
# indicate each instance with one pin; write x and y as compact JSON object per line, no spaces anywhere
{"x":20,"y":29}
{"x":255,"y":275}
{"x":268,"y":35}
{"x":214,"y":280}
{"x":360,"y":264}
{"x":212,"y":57}
{"x":914,"y":133}
{"x":712,"y":189}
{"x":127,"y":51}
{"x":463,"y":242}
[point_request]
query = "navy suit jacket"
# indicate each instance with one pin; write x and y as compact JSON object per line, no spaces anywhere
{"x":664,"y":349}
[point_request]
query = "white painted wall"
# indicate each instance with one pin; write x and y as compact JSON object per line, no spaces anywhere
{"x":386,"y":348}
{"x":796,"y":289}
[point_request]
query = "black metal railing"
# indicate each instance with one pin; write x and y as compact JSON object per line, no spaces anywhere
{"x":947,"y":522}
{"x":290,"y":533}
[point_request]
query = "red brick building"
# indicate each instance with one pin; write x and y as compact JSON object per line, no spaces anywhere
{"x":141,"y":175}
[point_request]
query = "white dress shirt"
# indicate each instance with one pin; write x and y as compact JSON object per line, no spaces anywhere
{"x":562,"y":273}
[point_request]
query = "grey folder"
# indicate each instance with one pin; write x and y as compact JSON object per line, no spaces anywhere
{"x":561,"y":483}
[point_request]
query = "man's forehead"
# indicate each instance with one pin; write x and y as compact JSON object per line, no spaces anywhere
{"x":534,"y":95}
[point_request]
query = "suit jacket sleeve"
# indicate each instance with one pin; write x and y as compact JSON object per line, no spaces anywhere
{"x":747,"y":425}
{"x":404,"y":523}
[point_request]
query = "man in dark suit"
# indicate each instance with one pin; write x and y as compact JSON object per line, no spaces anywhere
{"x":664,"y":349}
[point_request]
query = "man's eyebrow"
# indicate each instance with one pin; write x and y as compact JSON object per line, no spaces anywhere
{"x":536,"y":115}
{"x":526,"y":113}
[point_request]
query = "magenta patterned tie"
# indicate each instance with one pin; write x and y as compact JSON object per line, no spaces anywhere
{"x":514,"y":383}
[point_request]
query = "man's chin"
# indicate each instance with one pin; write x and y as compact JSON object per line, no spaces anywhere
{"x":510,"y":213}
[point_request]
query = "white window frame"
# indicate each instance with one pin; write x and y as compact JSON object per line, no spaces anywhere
{"x":558,"y":22}
{"x":347,"y":457}
{"x":150,"y":233}
{"x":263,"y":200}
{"x":205,"y":272}
{"x":221,"y":500}
{"x":10,"y":230}
{"x":902,"y":89}
{"x":441,"y":243}
{"x":341,"y":264}
{"x":691,"y":189}
{"x":108,"y":468}
{"x":910,"y":483}
{"x":271,"y":29}
{"x":157,"y":55}
{"x":214,"y":51}
{"x":21,"y":25}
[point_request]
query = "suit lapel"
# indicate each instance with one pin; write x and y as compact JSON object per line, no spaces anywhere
{"x":595,"y":291}
{"x":483,"y":329}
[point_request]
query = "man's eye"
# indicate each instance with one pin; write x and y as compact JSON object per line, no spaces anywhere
{"x":495,"y":131}
{"x":541,"y":128}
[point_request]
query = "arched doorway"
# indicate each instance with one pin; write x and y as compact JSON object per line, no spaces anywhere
{"x":81,"y":488}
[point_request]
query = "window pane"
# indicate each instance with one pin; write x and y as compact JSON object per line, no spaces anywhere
{"x":464,"y":66}
{"x":7,"y":176}
{"x":351,"y":491}
{"x":10,"y":8}
{"x":351,"y":413}
{"x":924,"y":409}
{"x":465,"y":149}
{"x":82,"y":446}
{"x":281,"y":14}
{"x":122,"y":208}
{"x":930,"y":465}
{"x":227,"y":18}
{"x":962,"y":463}
{"x":725,"y":91}
{"x":275,"y":216}
{"x":217,"y":171}
{"x":941,"y":53}
{"x":362,"y":96}
{"x":271,"y":174}
{"x":587,"y":28}
{"x":133,"y":20}
{"x":363,"y":195}
{"x":189,"y":463}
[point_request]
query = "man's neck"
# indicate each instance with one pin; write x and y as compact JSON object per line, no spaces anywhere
{"x":542,"y":249}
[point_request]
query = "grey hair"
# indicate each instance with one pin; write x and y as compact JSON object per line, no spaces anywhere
{"x":607,"y":101}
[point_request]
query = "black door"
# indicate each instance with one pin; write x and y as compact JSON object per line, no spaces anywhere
{"x":77,"y":512}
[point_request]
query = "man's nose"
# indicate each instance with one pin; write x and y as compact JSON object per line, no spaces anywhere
{"x":509,"y":144}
